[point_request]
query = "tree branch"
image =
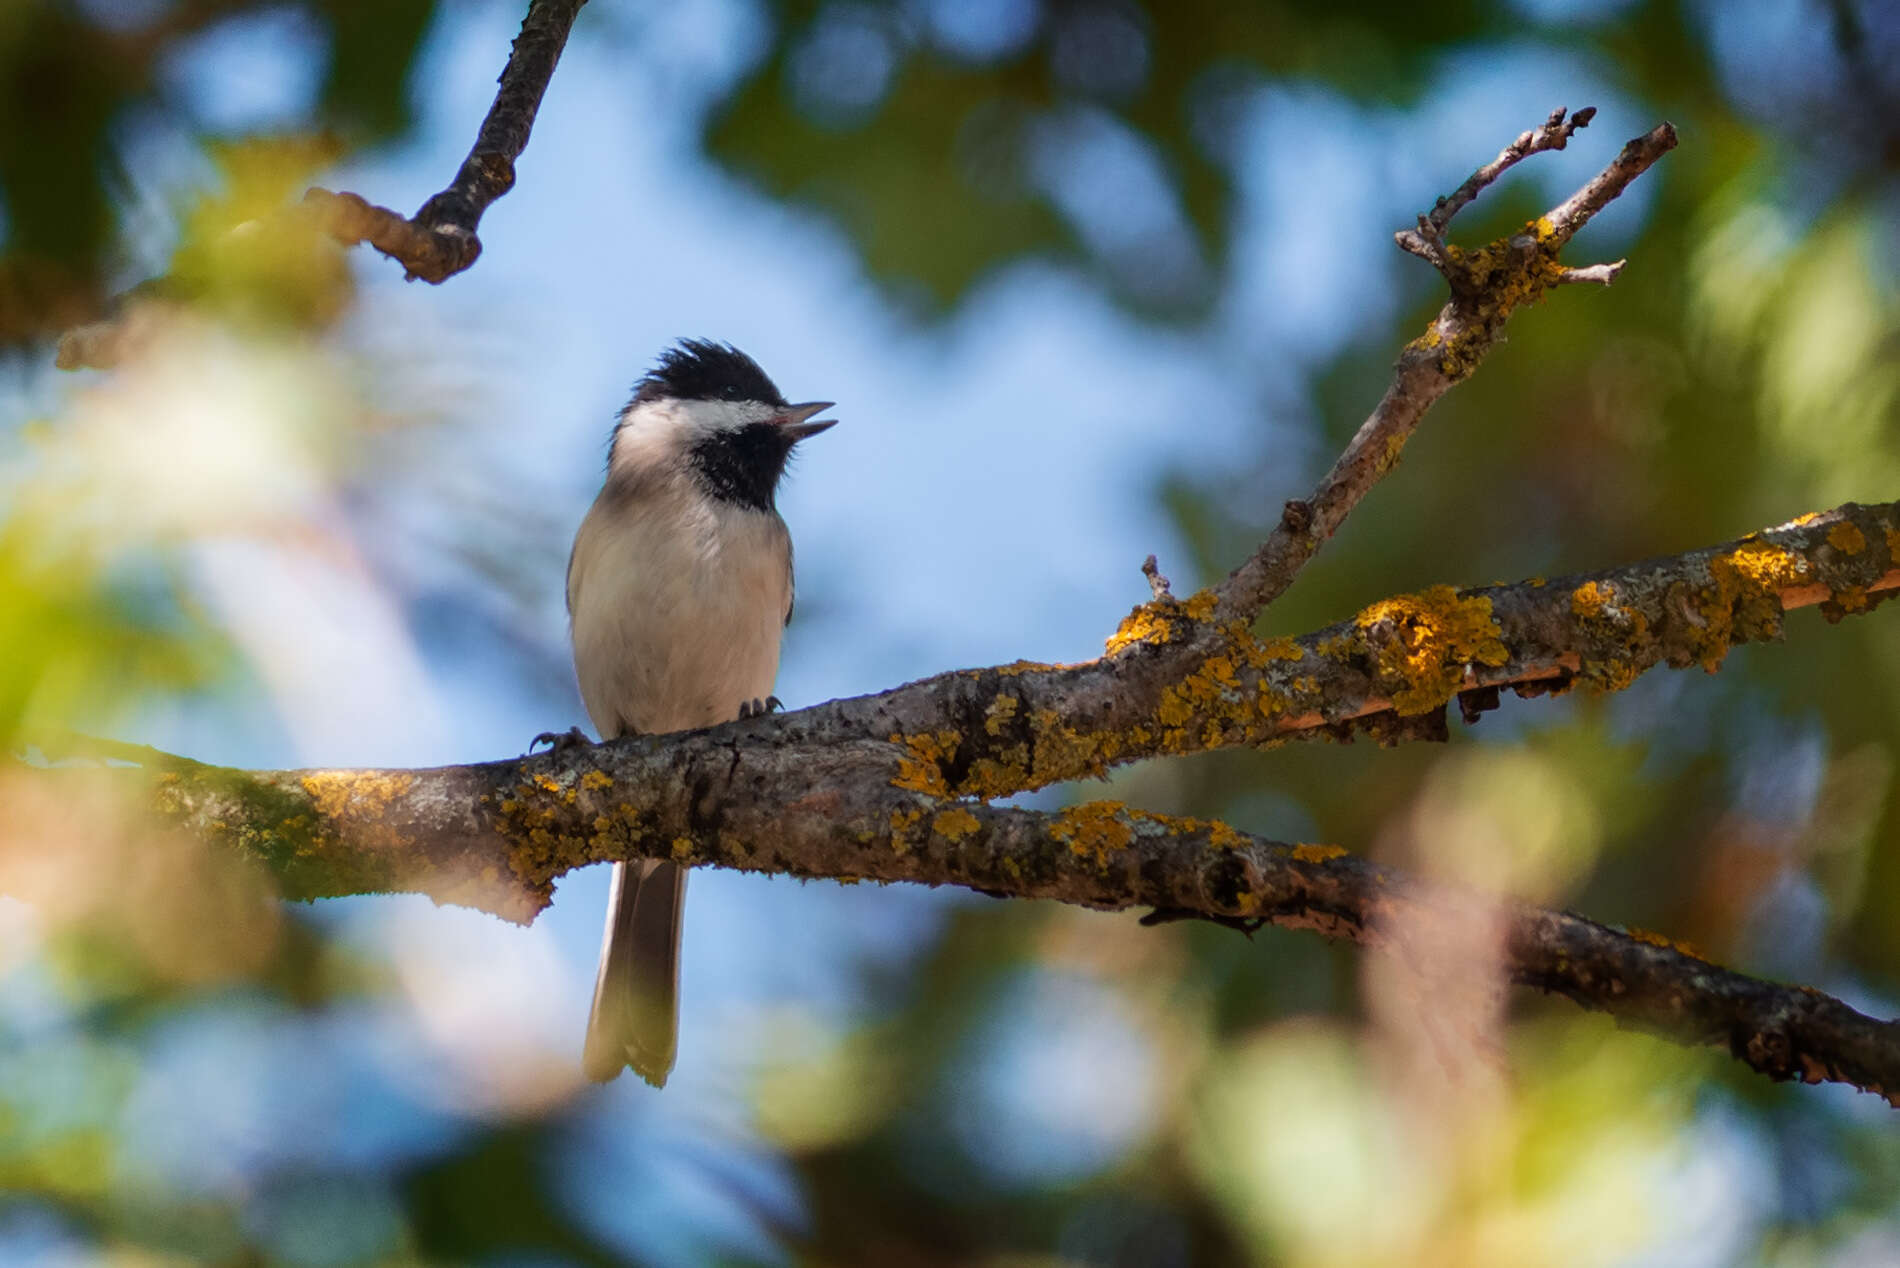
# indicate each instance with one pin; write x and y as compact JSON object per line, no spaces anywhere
{"x":1487,"y":286}
{"x":897,"y":786}
{"x":729,"y":797}
{"x":439,"y":241}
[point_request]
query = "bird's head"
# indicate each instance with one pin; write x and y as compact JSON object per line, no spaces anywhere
{"x":708,"y":410}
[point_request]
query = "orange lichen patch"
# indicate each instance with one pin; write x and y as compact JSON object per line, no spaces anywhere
{"x":1650,"y":937}
{"x":1094,"y":830}
{"x":547,"y":783}
{"x":999,"y":713}
{"x":614,"y":834}
{"x":1200,"y":605}
{"x":1000,"y":776}
{"x":1809,"y":518}
{"x":682,"y":849}
{"x":1420,"y":644}
{"x":1152,"y":622}
{"x":1211,"y":693}
{"x":1223,"y":836}
{"x":1743,"y":602}
{"x":902,"y":821}
{"x":596,"y":780}
{"x":1157,"y":621}
{"x":1847,"y":538}
{"x":1393,"y":451}
{"x":1589,"y":599}
{"x":1625,"y":646}
{"x":1850,"y":599}
{"x":1768,"y":567}
{"x":1259,"y":653}
{"x":1318,"y":853}
{"x":922,"y":770}
{"x":1018,"y":667}
{"x":954,"y":824}
{"x":361,"y":795}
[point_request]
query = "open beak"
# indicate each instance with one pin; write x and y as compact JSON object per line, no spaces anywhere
{"x":795,"y":421}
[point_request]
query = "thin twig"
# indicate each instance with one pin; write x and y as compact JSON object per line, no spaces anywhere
{"x":1636,"y":158}
{"x":440,"y":241}
{"x":1553,"y":134}
{"x":1157,"y":584}
{"x":1600,"y":274}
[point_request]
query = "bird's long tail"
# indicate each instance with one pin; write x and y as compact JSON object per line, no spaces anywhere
{"x":635,"y":1019}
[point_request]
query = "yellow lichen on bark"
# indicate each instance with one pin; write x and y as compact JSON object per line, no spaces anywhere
{"x":1650,"y":937}
{"x":1306,"y":853}
{"x":1094,"y":830}
{"x":954,"y":824}
{"x":1212,"y":693}
{"x":1260,"y":653}
{"x":1847,"y":538}
{"x":1152,"y":623}
{"x":362,"y":798}
{"x":366,"y":794}
{"x":1156,"y":621}
{"x":1743,"y":603}
{"x":921,"y":770}
{"x":1625,"y":644}
{"x":1767,"y":567}
{"x":1420,"y":644}
{"x":902,"y":821}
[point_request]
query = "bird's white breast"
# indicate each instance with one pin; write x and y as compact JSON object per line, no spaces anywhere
{"x":678,"y":603}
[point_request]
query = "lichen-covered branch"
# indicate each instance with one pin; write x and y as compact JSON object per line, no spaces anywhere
{"x":1487,"y":284}
{"x":898,"y":786}
{"x":496,"y":835}
{"x":439,"y":241}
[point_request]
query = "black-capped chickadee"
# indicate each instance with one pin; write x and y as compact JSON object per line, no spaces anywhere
{"x":679,"y":586}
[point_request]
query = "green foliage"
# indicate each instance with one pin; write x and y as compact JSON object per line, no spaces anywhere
{"x":72,"y":78}
{"x":927,"y":154}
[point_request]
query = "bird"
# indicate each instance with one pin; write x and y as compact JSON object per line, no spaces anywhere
{"x":679,"y":587}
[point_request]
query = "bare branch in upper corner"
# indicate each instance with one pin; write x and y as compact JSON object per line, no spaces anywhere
{"x":1554,"y":134}
{"x":1428,"y":239}
{"x":1636,"y":158}
{"x":439,"y":241}
{"x":1487,"y":285}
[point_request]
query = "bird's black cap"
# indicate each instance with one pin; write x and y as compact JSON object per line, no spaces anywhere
{"x":701,"y":370}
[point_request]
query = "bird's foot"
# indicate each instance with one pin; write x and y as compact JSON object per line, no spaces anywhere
{"x":759,"y":708}
{"x":560,"y":741}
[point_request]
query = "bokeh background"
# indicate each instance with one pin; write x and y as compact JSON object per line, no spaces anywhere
{"x":1088,"y":279}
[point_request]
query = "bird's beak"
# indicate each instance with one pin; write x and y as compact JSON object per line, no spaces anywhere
{"x":794,"y":422}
